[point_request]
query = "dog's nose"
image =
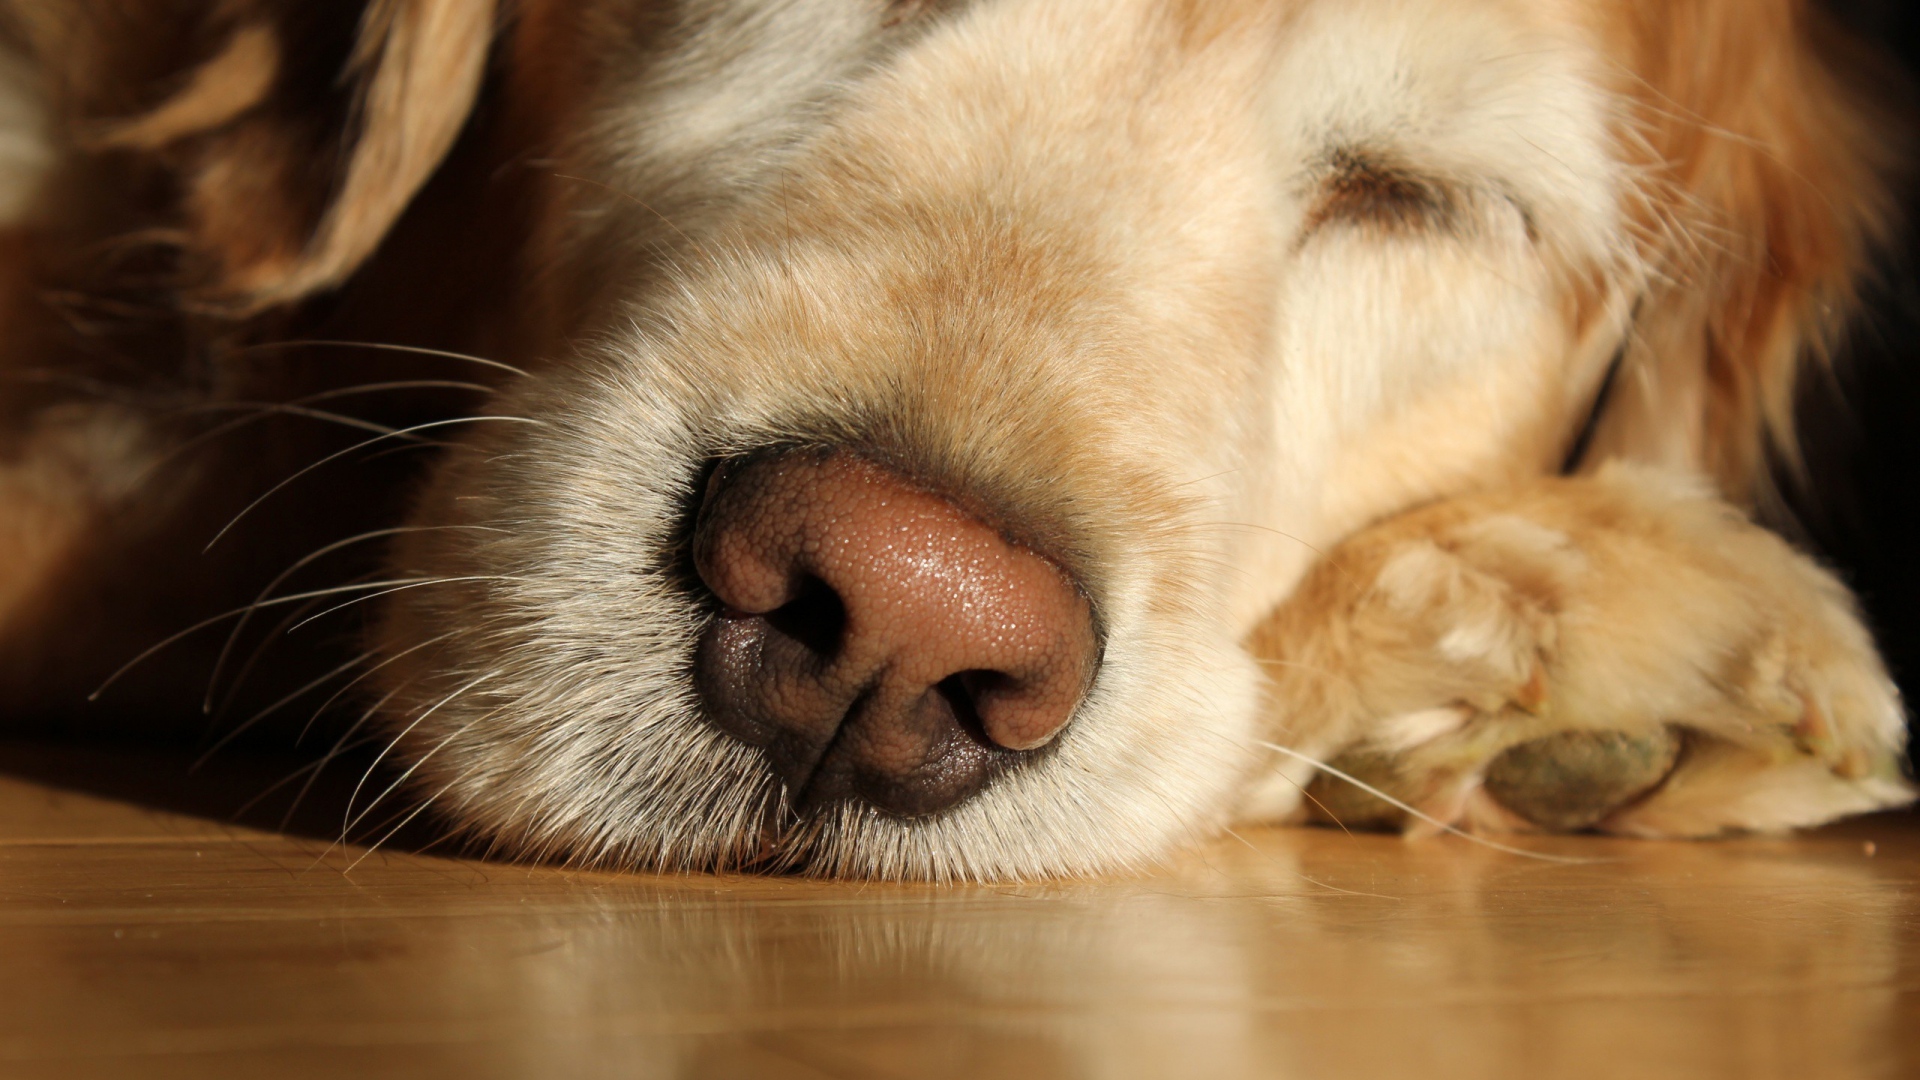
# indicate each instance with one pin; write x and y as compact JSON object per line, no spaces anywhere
{"x":876,"y":639}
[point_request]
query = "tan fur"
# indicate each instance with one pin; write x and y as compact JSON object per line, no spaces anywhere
{"x":1763,"y":157}
{"x":1622,"y":602}
{"x":1270,"y":320}
{"x":220,"y":91}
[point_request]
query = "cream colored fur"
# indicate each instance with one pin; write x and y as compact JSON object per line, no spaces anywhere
{"x":1272,"y":321}
{"x":1070,"y":259}
{"x":1624,"y":602}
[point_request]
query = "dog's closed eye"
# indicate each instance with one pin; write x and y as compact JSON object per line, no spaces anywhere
{"x":1363,"y":189}
{"x":901,"y":11}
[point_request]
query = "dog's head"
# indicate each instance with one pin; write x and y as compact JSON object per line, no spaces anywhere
{"x":928,"y":397}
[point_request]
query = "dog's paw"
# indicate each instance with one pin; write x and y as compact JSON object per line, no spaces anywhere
{"x":1621,"y":653}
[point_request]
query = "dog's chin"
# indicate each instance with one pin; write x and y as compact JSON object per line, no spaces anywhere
{"x":543,"y":703}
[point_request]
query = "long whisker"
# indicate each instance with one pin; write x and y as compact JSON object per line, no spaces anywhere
{"x":362,"y":677}
{"x":340,"y":746}
{"x":407,"y":448}
{"x":291,"y":598}
{"x":415,"y":350}
{"x":1429,"y":819}
{"x":421,"y":760}
{"x":226,"y":651}
{"x":391,"y":387}
{"x":404,"y":822}
{"x":242,"y":728}
{"x":330,"y":458}
{"x":390,"y":592}
{"x":266,"y":643}
{"x":348,"y":820}
{"x":261,"y":410}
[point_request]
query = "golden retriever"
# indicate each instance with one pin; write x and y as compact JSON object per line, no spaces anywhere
{"x":952,"y":439}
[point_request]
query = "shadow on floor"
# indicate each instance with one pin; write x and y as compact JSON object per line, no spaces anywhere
{"x":253,"y":788}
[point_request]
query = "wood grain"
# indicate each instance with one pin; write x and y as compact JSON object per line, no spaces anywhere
{"x":141,"y":942}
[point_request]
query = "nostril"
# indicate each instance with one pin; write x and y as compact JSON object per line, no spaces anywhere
{"x":974,"y":694}
{"x":979,"y":684}
{"x":816,"y":618}
{"x":962,"y":693}
{"x":999,"y":709}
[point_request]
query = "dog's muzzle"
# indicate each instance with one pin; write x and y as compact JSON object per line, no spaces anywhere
{"x":878,"y":641}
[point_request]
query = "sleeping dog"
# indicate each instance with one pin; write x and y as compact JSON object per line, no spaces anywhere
{"x":950,"y":439}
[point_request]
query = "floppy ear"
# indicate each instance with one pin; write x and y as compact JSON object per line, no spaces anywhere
{"x":1765,"y":187}
{"x":294,"y":134}
{"x":418,"y":65}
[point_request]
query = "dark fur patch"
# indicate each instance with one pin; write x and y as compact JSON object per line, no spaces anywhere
{"x":1363,"y":189}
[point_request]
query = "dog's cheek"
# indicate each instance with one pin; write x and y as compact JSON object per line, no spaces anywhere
{"x":27,"y":156}
{"x":61,"y":479}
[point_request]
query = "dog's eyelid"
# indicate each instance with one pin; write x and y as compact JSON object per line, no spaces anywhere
{"x":897,"y":12}
{"x":1363,"y":188}
{"x":1369,"y":190}
{"x":1529,"y":221}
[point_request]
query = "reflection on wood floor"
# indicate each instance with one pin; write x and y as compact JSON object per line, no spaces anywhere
{"x":140,"y":942}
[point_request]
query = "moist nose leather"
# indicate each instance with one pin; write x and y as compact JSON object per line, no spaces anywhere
{"x":878,"y":640}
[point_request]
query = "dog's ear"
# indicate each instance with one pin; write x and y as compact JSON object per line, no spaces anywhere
{"x":416,"y":67}
{"x":1765,"y":166}
{"x":291,"y":134}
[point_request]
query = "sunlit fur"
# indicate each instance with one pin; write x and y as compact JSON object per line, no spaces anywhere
{"x":1058,"y":259}
{"x":1193,"y":292}
{"x":1620,"y":602}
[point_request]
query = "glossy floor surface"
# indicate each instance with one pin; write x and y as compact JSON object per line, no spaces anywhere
{"x":142,"y":942}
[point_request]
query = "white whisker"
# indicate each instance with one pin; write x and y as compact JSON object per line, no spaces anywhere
{"x":415,"y":350}
{"x":265,"y":644}
{"x":258,"y":410}
{"x":391,"y":387}
{"x":363,"y":676}
{"x":421,"y":760}
{"x":275,"y":489}
{"x":296,"y":695}
{"x":404,"y":822}
{"x":261,"y":410}
{"x":292,"y":598}
{"x":396,"y":589}
{"x":347,"y":820}
{"x":305,"y":561}
{"x":1428,"y":818}
{"x":340,"y":746}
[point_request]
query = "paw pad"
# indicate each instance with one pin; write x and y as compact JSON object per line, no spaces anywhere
{"x":1574,"y":779}
{"x":1565,"y":782}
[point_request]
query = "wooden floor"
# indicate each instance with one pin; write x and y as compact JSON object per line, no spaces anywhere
{"x":142,"y":942}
